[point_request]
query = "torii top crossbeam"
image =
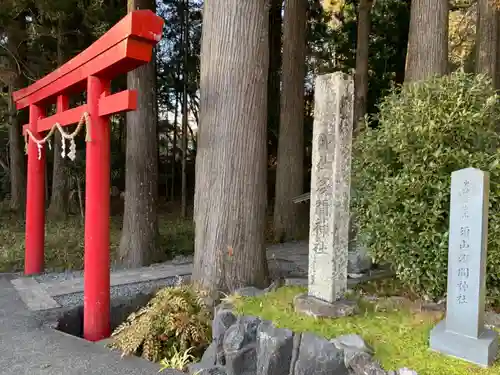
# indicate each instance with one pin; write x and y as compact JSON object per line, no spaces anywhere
{"x":123,"y":48}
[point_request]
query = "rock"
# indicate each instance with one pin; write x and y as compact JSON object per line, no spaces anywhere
{"x":296,"y":282}
{"x":249,"y":291}
{"x":362,"y":363}
{"x":278,"y":283}
{"x":358,"y":259}
{"x":223,"y":319}
{"x":210,"y":354}
{"x":406,"y":371}
{"x":182,"y":259}
{"x":318,"y":356}
{"x":317,"y":308}
{"x":224,"y":305}
{"x":274,"y":349}
{"x":240,"y":346}
{"x":201,"y":369}
{"x":351,"y":344}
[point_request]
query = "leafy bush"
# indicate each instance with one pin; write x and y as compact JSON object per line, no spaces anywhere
{"x":402,"y":170}
{"x":175,"y":321}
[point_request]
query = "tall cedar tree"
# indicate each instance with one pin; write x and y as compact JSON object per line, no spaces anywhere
{"x":16,"y":36}
{"x":274,"y":78}
{"x":427,"y":40}
{"x":362,"y":53}
{"x":290,"y":169}
{"x":140,"y":222}
{"x":487,"y":40}
{"x":59,"y":198}
{"x":230,"y":187}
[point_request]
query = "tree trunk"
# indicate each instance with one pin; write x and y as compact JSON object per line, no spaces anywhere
{"x":427,"y":40}
{"x":487,"y":39}
{"x":362,"y":52}
{"x":16,"y":35}
{"x":174,"y":143}
{"x":140,"y":222}
{"x":16,"y":155}
{"x":185,"y":47}
{"x":290,"y":170}
{"x":230,"y":189}
{"x":58,"y":207}
{"x":274,"y":79}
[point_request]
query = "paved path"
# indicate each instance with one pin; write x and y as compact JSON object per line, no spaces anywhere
{"x":28,"y":348}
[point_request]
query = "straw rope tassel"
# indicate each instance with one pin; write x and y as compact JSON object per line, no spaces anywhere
{"x":84,"y":120}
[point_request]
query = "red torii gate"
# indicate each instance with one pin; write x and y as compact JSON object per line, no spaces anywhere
{"x":123,"y":48}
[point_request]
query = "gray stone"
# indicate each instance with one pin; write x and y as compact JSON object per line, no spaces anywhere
{"x":240,"y":346}
{"x":318,"y":356}
{"x":210,"y":354}
{"x":463,"y":334}
{"x":223,"y":319}
{"x":363,"y":364}
{"x":406,"y":371}
{"x":202,"y":369}
{"x":275,"y":285}
{"x":353,"y":343}
{"x":249,"y":291}
{"x":312,"y":306}
{"x":358,"y":259}
{"x":330,"y":186}
{"x":274,"y":349}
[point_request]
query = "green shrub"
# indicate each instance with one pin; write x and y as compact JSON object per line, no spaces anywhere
{"x":402,"y":174}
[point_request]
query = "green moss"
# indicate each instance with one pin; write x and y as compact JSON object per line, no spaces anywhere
{"x":399,"y":336}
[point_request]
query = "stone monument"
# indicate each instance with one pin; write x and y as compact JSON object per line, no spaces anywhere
{"x":330,"y":193}
{"x":462,"y":334}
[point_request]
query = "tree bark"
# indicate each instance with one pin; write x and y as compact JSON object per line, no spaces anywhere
{"x":174,"y":144}
{"x":16,"y":155}
{"x":487,"y":39}
{"x":140,"y":222}
{"x":290,"y":169}
{"x":185,"y":48}
{"x":230,"y":189}
{"x":275,"y":60}
{"x":58,"y":207}
{"x":427,"y":40}
{"x":16,"y":34}
{"x":362,"y":53}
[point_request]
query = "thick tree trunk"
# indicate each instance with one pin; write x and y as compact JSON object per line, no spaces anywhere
{"x":487,"y":39}
{"x":362,"y":52}
{"x":140,"y":222}
{"x":290,"y":169}
{"x":427,"y":40}
{"x":230,"y":195}
{"x":274,"y":78}
{"x":58,"y":207}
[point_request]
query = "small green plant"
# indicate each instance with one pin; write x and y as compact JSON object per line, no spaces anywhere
{"x":401,"y":175}
{"x":174,"y":321}
{"x":178,"y":360}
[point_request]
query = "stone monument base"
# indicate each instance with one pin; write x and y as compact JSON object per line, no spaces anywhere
{"x":317,"y":308}
{"x":481,"y":351}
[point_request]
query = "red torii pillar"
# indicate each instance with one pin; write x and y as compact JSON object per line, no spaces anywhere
{"x":124,"y":47}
